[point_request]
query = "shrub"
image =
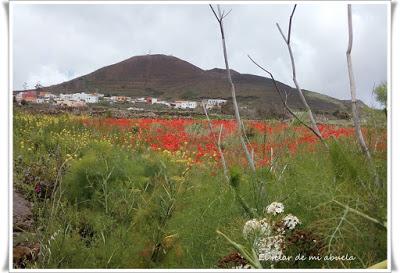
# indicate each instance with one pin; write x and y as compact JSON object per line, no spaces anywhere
{"x":342,"y":165}
{"x":101,"y":171}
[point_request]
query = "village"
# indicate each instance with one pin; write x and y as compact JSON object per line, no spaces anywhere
{"x":82,"y":99}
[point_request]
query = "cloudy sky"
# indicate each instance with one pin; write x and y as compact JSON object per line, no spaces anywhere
{"x":53,"y":43}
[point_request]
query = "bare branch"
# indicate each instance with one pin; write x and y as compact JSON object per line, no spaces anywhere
{"x":300,"y":92}
{"x":284,"y":101}
{"x":346,"y":211}
{"x":354,"y":106}
{"x":215,"y":14}
{"x":353,"y":86}
{"x":290,"y":24}
{"x":285,"y":95}
{"x":221,"y":14}
{"x":241,"y":132}
{"x":283,"y":35}
{"x":226,"y":14}
{"x":245,"y":135}
{"x":350,"y":29}
{"x":376,"y":221}
{"x":221,"y":154}
{"x":217,"y":142}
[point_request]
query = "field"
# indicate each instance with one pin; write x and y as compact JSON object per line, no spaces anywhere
{"x":151,"y":193}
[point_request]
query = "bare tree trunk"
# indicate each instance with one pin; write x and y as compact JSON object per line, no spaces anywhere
{"x":354,"y":107}
{"x":220,"y":17}
{"x":303,"y":99}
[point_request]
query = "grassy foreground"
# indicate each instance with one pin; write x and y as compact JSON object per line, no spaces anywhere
{"x":102,"y":200}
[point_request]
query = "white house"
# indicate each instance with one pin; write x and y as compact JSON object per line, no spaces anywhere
{"x":71,"y":103}
{"x":211,"y":103}
{"x":151,"y":100}
{"x":66,"y":96}
{"x":50,"y":96}
{"x":40,"y":100}
{"x":135,"y":109}
{"x":88,"y":98}
{"x":163,"y":102}
{"x":91,"y":99}
{"x":182,"y":104}
{"x":140,"y":100}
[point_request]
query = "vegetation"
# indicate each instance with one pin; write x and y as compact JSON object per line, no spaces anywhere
{"x":145,"y":193}
{"x":380,"y":93}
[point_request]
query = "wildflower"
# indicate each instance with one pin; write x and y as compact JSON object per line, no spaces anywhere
{"x":270,"y":248}
{"x":275,"y":208}
{"x":251,"y":228}
{"x":38,"y":188}
{"x":290,"y":221}
{"x":265,"y":229}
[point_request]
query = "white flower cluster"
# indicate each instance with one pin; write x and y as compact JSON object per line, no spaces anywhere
{"x":254,"y":229}
{"x":275,"y":208}
{"x":251,"y":228}
{"x":290,"y":221}
{"x":265,"y":229}
{"x":268,"y":235}
{"x":270,"y":248}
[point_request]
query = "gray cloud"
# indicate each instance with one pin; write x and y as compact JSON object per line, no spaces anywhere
{"x":57,"y":42}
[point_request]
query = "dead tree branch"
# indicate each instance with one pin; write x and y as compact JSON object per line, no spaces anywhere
{"x":354,"y":106}
{"x":220,"y":17}
{"x":284,"y":100}
{"x":303,"y":99}
{"x":290,"y":24}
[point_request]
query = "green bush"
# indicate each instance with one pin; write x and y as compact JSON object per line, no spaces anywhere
{"x":342,"y":165}
{"x":100,"y":173}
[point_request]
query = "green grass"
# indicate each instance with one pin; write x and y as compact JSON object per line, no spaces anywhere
{"x":118,"y":206}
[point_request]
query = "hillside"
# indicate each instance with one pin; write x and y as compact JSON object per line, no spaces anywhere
{"x":171,"y":78}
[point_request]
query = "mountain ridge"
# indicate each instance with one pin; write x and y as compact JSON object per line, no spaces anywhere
{"x":170,"y":78}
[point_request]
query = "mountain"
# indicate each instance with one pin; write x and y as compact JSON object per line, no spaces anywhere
{"x":171,"y":78}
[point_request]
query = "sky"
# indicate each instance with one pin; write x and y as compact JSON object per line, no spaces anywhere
{"x":52,"y":43}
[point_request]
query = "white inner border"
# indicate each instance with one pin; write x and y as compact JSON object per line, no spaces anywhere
{"x":10,"y":127}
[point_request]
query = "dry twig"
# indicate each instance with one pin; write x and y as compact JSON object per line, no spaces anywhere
{"x":217,"y":143}
{"x":284,"y":101}
{"x":220,"y":17}
{"x":303,"y":99}
{"x":354,"y":106}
